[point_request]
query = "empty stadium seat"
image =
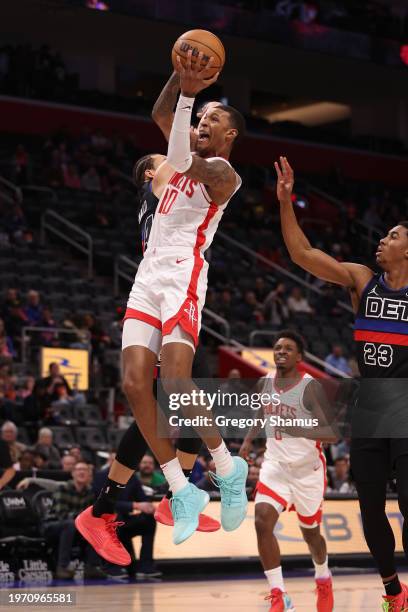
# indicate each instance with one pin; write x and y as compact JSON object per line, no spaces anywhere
{"x":63,"y":437}
{"x":92,"y":438}
{"x":88,"y":414}
{"x":42,"y":503}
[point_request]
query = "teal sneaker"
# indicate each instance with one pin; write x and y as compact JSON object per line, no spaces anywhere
{"x":234,"y":501}
{"x":186,"y":506}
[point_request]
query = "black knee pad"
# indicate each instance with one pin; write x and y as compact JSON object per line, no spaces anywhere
{"x":132,"y":447}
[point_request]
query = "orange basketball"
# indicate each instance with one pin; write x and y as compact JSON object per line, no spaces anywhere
{"x":199,"y":41}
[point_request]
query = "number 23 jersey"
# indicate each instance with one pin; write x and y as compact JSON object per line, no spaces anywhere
{"x":381,"y":331}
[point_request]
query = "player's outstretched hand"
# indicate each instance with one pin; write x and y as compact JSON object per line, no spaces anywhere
{"x":284,"y":185}
{"x":195,"y":78}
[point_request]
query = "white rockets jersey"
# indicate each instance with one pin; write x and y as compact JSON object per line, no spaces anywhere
{"x":185,"y":215}
{"x":280,"y":446}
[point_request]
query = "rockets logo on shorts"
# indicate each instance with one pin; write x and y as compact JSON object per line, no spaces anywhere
{"x":191,"y":312}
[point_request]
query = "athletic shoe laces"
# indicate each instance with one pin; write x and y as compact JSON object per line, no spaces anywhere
{"x":274,"y":596}
{"x":179,"y":508}
{"x":323,"y":589}
{"x":389,"y":606}
{"x":111,"y":527}
{"x":230,"y":493}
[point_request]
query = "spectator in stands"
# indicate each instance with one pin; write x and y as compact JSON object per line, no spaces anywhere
{"x":21,"y":166}
{"x":99,"y":339}
{"x":45,"y":445}
{"x":249,"y":310}
{"x":76,"y":452}
{"x":34,"y":309}
{"x":252,"y":479}
{"x":6,"y":344}
{"x":14,"y":222}
{"x":26,"y":462}
{"x":68,"y":462}
{"x":53,"y":380}
{"x":298,"y":303}
{"x":260,"y":289}
{"x":206,"y":483}
{"x":9,"y":434}
{"x":37,"y":405}
{"x":12,"y":298}
{"x":6,"y":464}
{"x":275,"y":309}
{"x":339,"y":476}
{"x":91,"y":180}
{"x":371,"y":216}
{"x":48,"y":338}
{"x":71,"y":498}
{"x":337,"y":360}
{"x":148,"y":475}
{"x":233,"y":384}
{"x":40,"y":460}
{"x":340,"y":449}
{"x":71,"y":176}
{"x":27,"y":388}
{"x":133,"y":499}
{"x":225,"y":304}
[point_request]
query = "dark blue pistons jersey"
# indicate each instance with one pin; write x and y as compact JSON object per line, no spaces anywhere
{"x":381,"y":331}
{"x":145,"y":214}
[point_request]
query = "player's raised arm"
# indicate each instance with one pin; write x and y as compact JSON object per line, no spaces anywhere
{"x":163,"y":110}
{"x":217,"y":174}
{"x":315,"y":261}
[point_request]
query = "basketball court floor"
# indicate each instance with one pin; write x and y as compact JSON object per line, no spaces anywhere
{"x":352,"y":593}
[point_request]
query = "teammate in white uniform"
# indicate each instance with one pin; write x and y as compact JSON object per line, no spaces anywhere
{"x":293,"y":474}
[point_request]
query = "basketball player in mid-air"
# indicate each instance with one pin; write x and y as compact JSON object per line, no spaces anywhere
{"x":293,"y":473}
{"x":165,"y":303}
{"x":133,"y":446}
{"x":380,"y":302}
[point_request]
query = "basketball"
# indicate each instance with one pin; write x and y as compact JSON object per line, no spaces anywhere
{"x":199,"y":41}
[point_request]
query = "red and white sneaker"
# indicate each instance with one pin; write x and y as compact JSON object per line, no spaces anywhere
{"x":396,"y":603}
{"x":280,"y":602}
{"x":164,"y":516}
{"x":101,"y":534}
{"x":324,"y":592}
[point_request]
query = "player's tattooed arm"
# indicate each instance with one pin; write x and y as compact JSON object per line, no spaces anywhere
{"x":163,"y":110}
{"x":352,"y":276}
{"x":216,"y":174}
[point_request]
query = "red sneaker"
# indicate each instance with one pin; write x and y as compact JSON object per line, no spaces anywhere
{"x":324,"y":592}
{"x":164,"y":516}
{"x":101,"y":534}
{"x":280,"y":602}
{"x":396,"y":603}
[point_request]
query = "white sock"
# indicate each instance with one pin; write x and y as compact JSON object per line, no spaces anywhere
{"x":222,"y":459}
{"x":174,"y":475}
{"x":322,"y":571}
{"x":275,"y":578}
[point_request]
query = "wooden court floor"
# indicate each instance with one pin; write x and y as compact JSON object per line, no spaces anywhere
{"x":352,"y":593}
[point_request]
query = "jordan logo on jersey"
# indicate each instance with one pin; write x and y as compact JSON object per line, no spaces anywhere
{"x":191,"y":313}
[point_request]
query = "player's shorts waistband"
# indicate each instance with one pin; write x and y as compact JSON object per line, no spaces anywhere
{"x":181,"y":251}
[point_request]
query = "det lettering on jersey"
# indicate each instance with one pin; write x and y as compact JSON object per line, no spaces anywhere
{"x":386,"y":308}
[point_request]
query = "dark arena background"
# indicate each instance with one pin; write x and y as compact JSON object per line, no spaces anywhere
{"x":322,"y":82}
